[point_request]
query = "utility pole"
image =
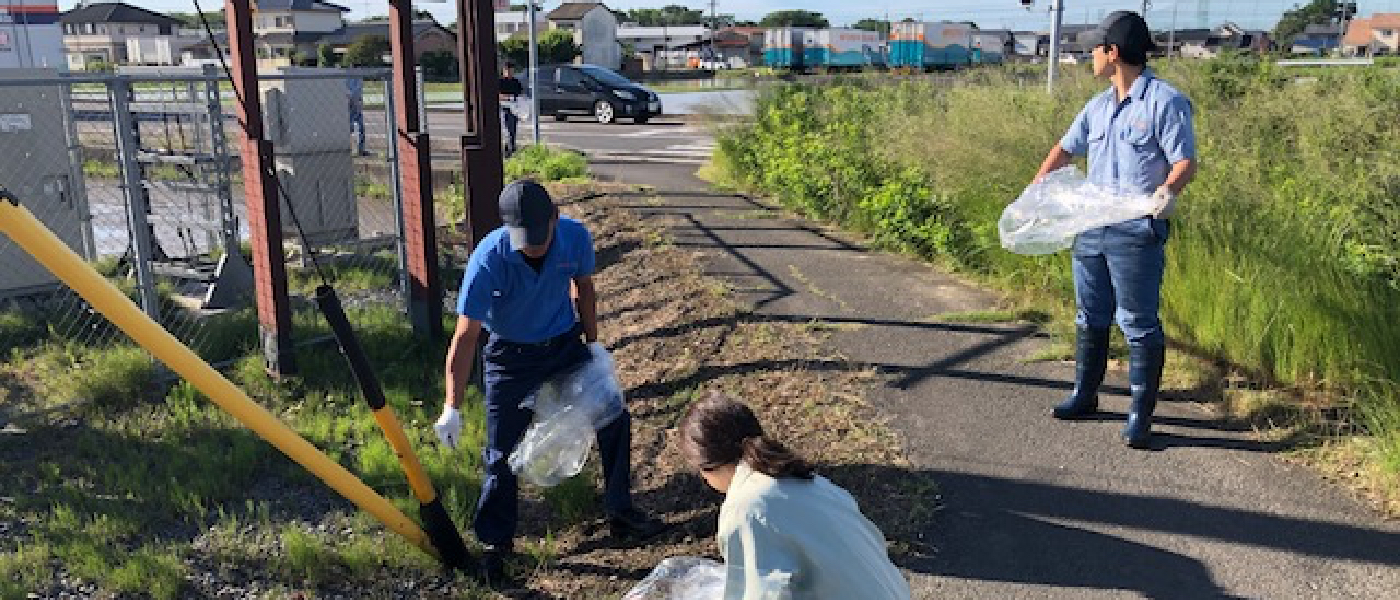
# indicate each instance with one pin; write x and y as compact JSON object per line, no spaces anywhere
{"x":1146,"y":4}
{"x":714,"y":27}
{"x":534,"y":74}
{"x":1057,"y":7}
{"x":1171,"y":37}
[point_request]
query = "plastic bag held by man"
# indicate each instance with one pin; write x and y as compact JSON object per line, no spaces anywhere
{"x":1049,"y":213}
{"x":681,"y":578}
{"x":569,"y":410}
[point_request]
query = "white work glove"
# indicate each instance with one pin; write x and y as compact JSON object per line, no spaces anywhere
{"x":1166,"y":203}
{"x":449,"y":426}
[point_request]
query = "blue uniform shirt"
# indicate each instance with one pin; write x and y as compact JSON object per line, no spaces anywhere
{"x":514,"y":302}
{"x":1133,"y":144}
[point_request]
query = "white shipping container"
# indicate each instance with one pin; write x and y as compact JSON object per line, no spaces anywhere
{"x":783,"y":37}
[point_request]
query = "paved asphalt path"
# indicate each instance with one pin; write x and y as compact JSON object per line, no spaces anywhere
{"x":667,"y":139}
{"x":1034,"y":508}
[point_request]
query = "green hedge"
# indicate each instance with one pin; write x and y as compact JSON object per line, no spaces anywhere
{"x":1284,"y":258}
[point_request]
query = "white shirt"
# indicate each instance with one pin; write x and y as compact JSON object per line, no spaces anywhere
{"x":795,"y":539}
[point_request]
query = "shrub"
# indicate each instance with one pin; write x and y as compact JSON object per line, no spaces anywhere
{"x":543,"y":163}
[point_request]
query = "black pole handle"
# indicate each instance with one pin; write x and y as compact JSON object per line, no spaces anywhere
{"x":329,"y":303}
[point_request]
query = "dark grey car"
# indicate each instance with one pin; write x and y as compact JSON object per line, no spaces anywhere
{"x":592,"y":90}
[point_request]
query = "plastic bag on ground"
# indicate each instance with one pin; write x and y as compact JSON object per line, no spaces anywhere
{"x":681,"y":578}
{"x":1048,"y":215}
{"x":569,"y":409}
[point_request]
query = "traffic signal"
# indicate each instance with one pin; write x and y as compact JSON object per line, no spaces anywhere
{"x":1027,"y":3}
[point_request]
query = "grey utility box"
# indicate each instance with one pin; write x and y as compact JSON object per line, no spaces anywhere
{"x":308,"y":123}
{"x":35,"y":166}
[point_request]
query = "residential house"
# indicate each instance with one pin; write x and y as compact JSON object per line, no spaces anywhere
{"x":517,"y":22}
{"x":117,"y":33}
{"x":285,"y":30}
{"x":1073,"y":50}
{"x":1210,"y":43}
{"x":740,"y":47}
{"x":1184,"y":42}
{"x":428,"y":36}
{"x":1317,"y":39}
{"x":30,"y":35}
{"x":661,"y":47}
{"x":595,"y":30}
{"x":1377,"y":35}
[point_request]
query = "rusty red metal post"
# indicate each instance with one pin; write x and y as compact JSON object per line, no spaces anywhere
{"x":260,"y":194}
{"x":483,"y":168}
{"x":416,"y":179}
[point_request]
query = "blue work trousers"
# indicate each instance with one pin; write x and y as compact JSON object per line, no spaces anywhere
{"x":513,"y":372}
{"x":1118,"y":276}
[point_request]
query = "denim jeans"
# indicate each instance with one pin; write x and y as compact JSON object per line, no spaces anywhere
{"x":357,"y":128}
{"x":1118,"y":276}
{"x":510,"y":123}
{"x":512,"y":373}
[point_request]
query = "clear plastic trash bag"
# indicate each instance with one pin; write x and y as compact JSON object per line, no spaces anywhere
{"x":1048,"y":215}
{"x":681,"y":578}
{"x":569,"y":409}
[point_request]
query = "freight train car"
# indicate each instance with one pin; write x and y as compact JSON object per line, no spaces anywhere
{"x":843,"y":49}
{"x":930,"y":45}
{"x":783,"y":47}
{"x":990,"y":48}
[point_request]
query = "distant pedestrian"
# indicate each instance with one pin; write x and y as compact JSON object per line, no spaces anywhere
{"x":1139,"y":138}
{"x":355,"y":90}
{"x":510,"y":91}
{"x":784,"y":531}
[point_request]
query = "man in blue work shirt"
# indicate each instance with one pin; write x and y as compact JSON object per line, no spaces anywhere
{"x":517,"y":288}
{"x":1139,"y":139}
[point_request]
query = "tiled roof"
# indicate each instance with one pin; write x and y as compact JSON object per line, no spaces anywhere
{"x":572,"y":11}
{"x":115,"y":12}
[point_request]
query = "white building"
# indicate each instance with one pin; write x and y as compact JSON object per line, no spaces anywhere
{"x":653,"y":41}
{"x":30,"y":35}
{"x":284,"y":29}
{"x":595,"y":30}
{"x":116,"y":33}
{"x":511,"y":22}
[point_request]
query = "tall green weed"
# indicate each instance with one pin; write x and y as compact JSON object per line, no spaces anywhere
{"x":1284,"y":257}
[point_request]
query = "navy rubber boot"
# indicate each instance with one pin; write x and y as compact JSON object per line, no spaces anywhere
{"x":1145,"y":378}
{"x":1090,"y":362}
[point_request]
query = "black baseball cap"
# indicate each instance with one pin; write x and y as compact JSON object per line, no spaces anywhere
{"x":1122,"y":28}
{"x":527,"y":211}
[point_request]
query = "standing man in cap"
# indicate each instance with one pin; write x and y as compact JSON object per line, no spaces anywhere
{"x":1139,"y":139}
{"x":517,"y":290}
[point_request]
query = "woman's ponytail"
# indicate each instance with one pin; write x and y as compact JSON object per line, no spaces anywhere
{"x":773,"y":459}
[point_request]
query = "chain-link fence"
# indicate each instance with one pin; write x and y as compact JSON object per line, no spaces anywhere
{"x":140,"y":174}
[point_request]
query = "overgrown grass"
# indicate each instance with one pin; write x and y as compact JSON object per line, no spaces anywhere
{"x":1283,"y":259}
{"x":116,"y":501}
{"x":378,"y":271}
{"x":543,"y":163}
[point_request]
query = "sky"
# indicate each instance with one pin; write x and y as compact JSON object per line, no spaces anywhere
{"x":991,"y":14}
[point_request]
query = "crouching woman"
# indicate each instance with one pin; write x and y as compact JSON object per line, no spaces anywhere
{"x":784,"y":531}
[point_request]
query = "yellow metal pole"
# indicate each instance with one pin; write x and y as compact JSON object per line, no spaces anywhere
{"x":36,"y":239}
{"x":417,"y":477}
